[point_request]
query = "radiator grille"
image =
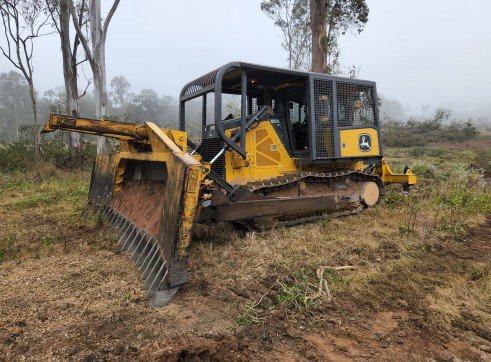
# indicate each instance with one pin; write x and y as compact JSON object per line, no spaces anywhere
{"x":210,"y":147}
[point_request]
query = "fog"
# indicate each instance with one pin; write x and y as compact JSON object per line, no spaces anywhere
{"x":424,"y":54}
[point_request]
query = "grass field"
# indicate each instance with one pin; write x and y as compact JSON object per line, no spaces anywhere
{"x":420,"y":261}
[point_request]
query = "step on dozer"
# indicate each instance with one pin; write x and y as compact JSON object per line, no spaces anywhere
{"x":303,"y":147}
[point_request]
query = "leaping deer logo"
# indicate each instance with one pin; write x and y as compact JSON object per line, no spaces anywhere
{"x":364,"y":142}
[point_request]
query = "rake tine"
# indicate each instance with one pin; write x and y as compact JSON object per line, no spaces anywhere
{"x":126,"y":245}
{"x":151,"y":264}
{"x":147,"y":259}
{"x":131,"y":247}
{"x":138,"y":247}
{"x":156,"y":280}
{"x":124,"y":239}
{"x":123,"y":229}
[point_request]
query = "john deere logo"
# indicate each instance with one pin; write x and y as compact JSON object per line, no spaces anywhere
{"x":365,"y":142}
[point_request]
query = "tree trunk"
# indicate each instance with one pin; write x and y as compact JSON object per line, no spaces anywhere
{"x":98,"y":68}
{"x":97,"y":57}
{"x":69,"y":70}
{"x":318,"y":13}
{"x":37,"y":134}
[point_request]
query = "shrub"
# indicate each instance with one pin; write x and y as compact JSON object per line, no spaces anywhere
{"x":19,"y":156}
{"x":418,"y":133}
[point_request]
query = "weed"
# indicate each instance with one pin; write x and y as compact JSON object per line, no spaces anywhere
{"x":100,"y":219}
{"x":404,"y":229}
{"x":293,"y":292}
{"x":468,"y":154}
{"x":248,"y":315}
{"x":434,"y":152}
{"x":417,"y":151}
{"x":424,"y":169}
{"x":46,"y":239}
{"x":393,"y":197}
{"x":33,"y":201}
{"x":477,"y":271}
{"x":7,"y":248}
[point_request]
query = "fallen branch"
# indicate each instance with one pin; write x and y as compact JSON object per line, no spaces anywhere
{"x":323,"y":290}
{"x":344,"y":267}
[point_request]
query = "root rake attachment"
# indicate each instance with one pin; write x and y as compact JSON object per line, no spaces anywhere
{"x":144,"y":250}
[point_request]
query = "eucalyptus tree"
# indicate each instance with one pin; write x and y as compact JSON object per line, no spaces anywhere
{"x":23,"y":22}
{"x":292,"y":17}
{"x":59,"y":11}
{"x":328,"y":20}
{"x":120,"y":94}
{"x":313,"y":27}
{"x":96,"y":54}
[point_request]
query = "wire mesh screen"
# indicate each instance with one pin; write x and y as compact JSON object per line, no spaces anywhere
{"x":254,"y":106}
{"x":323,"y":118}
{"x":355,"y":105}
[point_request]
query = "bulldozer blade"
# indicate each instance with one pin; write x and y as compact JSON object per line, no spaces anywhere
{"x":150,"y":200}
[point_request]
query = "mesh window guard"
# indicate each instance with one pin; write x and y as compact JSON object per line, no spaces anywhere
{"x":355,"y":105}
{"x":323,"y":118}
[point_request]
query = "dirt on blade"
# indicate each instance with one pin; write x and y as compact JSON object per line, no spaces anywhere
{"x":141,"y":202}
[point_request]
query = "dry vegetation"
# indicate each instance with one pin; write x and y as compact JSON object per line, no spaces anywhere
{"x":417,"y":284}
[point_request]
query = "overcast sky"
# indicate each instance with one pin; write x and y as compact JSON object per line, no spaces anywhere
{"x":420,"y":52}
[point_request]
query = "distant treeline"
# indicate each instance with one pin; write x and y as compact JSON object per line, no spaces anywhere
{"x":416,"y":133}
{"x":16,"y":109}
{"x":124,"y":105}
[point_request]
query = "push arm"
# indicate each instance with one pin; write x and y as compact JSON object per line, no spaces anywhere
{"x":120,"y":130}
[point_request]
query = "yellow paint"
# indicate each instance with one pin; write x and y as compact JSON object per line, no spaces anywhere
{"x":266,"y":157}
{"x":389,"y":177}
{"x":349,"y":142}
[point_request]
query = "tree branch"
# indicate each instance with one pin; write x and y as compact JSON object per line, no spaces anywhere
{"x":89,"y":82}
{"x":108,"y":20}
{"x":81,"y":36}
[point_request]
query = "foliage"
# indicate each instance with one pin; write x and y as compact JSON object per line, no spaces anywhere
{"x":18,"y":156}
{"x":418,"y":133}
{"x":294,"y":292}
{"x":119,"y":91}
{"x":292,"y":17}
{"x":330,"y":20}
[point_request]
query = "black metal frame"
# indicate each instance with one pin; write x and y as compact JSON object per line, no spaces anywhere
{"x":219,"y":82}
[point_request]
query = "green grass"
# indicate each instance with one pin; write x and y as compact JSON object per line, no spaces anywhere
{"x":43,"y":216}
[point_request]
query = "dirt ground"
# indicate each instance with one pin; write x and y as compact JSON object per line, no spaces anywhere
{"x":84,"y":302}
{"x":90,"y":307}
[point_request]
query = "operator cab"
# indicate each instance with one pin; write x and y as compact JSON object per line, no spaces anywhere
{"x":319,"y":118}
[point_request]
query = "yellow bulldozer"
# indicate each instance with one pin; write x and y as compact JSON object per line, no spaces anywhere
{"x":302,"y":147}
